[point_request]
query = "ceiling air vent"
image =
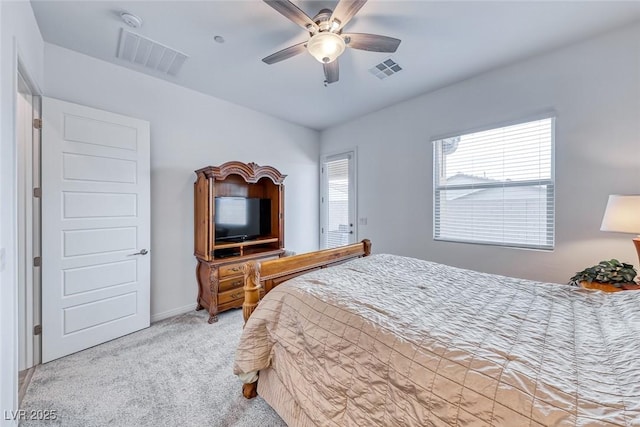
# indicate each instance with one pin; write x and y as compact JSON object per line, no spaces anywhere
{"x":150,"y":54}
{"x":385,"y":69}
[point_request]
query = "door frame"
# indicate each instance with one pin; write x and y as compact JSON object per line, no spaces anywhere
{"x":24,"y":101}
{"x":29,"y":310}
{"x":353,"y":184}
{"x":9,"y":319}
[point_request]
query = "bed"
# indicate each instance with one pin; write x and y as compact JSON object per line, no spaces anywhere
{"x":387,"y":340}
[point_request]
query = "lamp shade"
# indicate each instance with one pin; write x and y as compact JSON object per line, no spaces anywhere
{"x":326,"y":47}
{"x":622,"y":214}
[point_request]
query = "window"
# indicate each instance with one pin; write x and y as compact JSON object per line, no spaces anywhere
{"x":496,"y":186}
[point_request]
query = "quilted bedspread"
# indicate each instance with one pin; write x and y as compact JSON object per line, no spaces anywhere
{"x":394,"y":341}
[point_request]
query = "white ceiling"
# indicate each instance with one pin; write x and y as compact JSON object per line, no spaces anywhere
{"x":442,"y":42}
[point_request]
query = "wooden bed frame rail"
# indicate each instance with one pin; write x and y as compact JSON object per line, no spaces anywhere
{"x":262,"y":276}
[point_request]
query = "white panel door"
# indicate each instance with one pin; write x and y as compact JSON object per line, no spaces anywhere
{"x":95,"y":227}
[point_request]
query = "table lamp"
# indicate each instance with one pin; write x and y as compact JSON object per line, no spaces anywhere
{"x":622,"y":215}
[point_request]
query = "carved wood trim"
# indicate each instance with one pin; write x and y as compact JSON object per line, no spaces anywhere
{"x":300,"y":263}
{"x":257,"y":274}
{"x":214,"y":284}
{"x":251,"y":288}
{"x":199,"y":305}
{"x":203,"y":227}
{"x":250,"y":172}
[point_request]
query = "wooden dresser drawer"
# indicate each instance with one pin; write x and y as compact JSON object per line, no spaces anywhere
{"x":236,"y":269}
{"x":230,"y":270}
{"x":231,"y":283}
{"x":229,"y":296}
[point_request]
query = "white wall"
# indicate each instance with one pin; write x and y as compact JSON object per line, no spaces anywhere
{"x":594,"y":87}
{"x":19,"y":38}
{"x":190,"y":130}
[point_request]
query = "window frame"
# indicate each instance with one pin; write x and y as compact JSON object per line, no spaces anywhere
{"x":550,"y":183}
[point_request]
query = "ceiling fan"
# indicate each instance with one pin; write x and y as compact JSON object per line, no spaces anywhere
{"x":326,"y":41}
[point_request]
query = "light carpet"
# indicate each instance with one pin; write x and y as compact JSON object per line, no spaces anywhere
{"x":178,"y":372}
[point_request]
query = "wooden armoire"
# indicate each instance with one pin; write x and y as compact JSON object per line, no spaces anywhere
{"x":219,"y":271}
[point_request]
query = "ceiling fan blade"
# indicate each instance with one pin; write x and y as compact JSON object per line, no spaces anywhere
{"x":345,"y":10}
{"x":287,"y":53}
{"x":371,"y":42}
{"x":292,"y":12}
{"x":331,"y":72}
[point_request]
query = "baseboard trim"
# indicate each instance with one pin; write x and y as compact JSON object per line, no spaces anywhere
{"x":174,"y":312}
{"x":24,"y":379}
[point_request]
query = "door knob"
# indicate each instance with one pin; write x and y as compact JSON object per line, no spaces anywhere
{"x":142,"y":252}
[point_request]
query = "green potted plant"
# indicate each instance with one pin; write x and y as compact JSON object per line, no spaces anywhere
{"x":610,"y":276}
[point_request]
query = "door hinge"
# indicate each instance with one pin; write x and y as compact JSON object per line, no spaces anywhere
{"x":37,"y":330}
{"x":37,"y":192}
{"x":37,"y":123}
{"x":37,"y":261}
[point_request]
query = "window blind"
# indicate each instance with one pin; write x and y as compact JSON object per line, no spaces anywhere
{"x":496,"y":186}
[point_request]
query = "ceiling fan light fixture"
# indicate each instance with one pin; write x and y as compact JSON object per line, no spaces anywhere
{"x":326,"y":47}
{"x":325,"y":41}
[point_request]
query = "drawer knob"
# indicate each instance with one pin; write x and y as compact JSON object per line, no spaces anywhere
{"x":237,"y":295}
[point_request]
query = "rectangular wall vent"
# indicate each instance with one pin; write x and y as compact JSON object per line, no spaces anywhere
{"x":142,"y":51}
{"x":385,"y":69}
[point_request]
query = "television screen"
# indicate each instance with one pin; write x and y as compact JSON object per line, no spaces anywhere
{"x":242,"y":218}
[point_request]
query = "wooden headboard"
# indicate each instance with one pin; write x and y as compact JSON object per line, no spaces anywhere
{"x":261,"y":277}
